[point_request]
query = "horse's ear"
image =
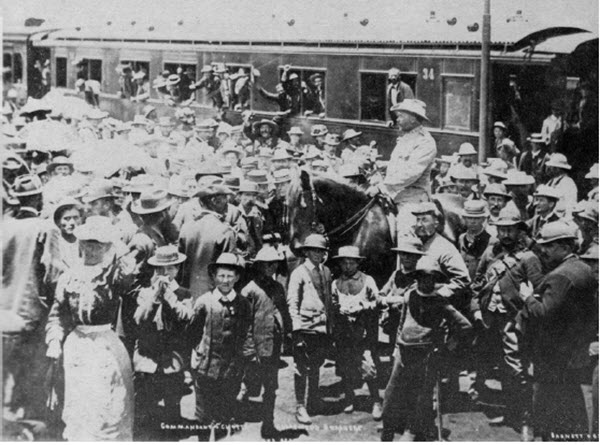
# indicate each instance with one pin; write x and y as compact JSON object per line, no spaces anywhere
{"x":305,"y":180}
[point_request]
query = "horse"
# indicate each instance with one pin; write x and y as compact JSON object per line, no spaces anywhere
{"x":347,"y":215}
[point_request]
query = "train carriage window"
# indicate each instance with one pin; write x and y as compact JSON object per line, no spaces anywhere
{"x":7,"y":63}
{"x":187,"y":74}
{"x":17,"y":68}
{"x":95,"y":70}
{"x":60,"y":66}
{"x":306,"y":87}
{"x":374,"y":101}
{"x":137,"y":65}
{"x":457,"y":94}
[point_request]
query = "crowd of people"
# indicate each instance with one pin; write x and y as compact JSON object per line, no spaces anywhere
{"x":149,"y":259}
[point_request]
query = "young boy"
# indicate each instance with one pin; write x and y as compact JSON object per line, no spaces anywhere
{"x":354,"y":296}
{"x":160,"y":356}
{"x":422,"y":333}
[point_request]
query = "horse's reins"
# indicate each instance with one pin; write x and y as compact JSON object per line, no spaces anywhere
{"x":353,"y":222}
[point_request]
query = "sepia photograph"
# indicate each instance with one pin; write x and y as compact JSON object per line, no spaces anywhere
{"x":300,"y":220}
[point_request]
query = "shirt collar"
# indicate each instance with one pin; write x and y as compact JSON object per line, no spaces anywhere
{"x":225,"y":298}
{"x":311,"y":266}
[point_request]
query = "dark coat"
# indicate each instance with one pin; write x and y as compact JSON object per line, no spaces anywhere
{"x":270,"y":315}
{"x":563,"y":321}
{"x":472,"y":253}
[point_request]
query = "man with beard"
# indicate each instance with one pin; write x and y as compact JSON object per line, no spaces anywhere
{"x":206,"y":237}
{"x":443,"y":252}
{"x":497,"y":197}
{"x":495,"y":305}
{"x":560,"y":324}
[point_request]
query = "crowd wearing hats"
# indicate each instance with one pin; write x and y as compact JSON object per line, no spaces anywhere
{"x":199,"y":208}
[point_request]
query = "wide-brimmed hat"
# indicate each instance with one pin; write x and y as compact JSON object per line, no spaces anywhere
{"x":206,"y":69}
{"x":27,"y":185}
{"x":96,"y":228}
{"x":497,"y":169}
{"x":139,"y":119}
{"x":98,"y":189}
{"x":466,"y":149}
{"x":315,"y":241}
{"x":258,"y":176}
{"x":593,"y":173}
{"x":330,"y":139}
{"x":281,"y":176}
{"x":138,"y":184}
{"x":318,"y":130}
{"x":249,"y":161}
{"x":274,"y":127}
{"x":12,"y":163}
{"x":312,"y":153}
{"x":248,"y":187}
{"x":212,"y":190}
{"x":64,"y":204}
{"x":349,"y":252}
{"x":587,"y":210}
{"x":296,"y":130}
{"x":557,"y":230}
{"x":496,"y":189}
{"x":232,"y":182}
{"x":35,"y":105}
{"x":413,"y":106}
{"x":558,"y":160}
{"x":209,"y":169}
{"x":59,"y":160}
{"x":224,"y":127}
{"x":517,"y":177}
{"x":475,"y":208}
{"x":281,"y":154}
{"x":536,"y":138}
{"x":314,"y":76}
{"x":591,"y":253}
{"x":228,"y":260}
{"x":231,"y":147}
{"x":95,"y":113}
{"x":547,"y":192}
{"x":499,"y":124}
{"x":350,"y":133}
{"x":447,"y":159}
{"x":151,"y":201}
{"x":425,"y":207}
{"x":409,"y":244}
{"x":172,"y":80}
{"x":166,"y":256}
{"x":207,"y":124}
{"x":268,"y":254}
{"x":510,"y":216}
{"x":350,"y":171}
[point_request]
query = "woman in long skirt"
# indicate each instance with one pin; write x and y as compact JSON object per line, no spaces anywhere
{"x":98,"y":402}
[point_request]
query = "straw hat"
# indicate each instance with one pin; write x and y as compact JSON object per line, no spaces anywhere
{"x":296,"y":130}
{"x":558,"y":160}
{"x":248,"y":187}
{"x":281,"y":176}
{"x":315,"y":241}
{"x":499,"y":124}
{"x":475,"y":208}
{"x":517,"y":177}
{"x":555,"y":231}
{"x":349,"y":134}
{"x":318,"y":130}
{"x":425,"y":207}
{"x":593,"y":173}
{"x":27,"y":185}
{"x":510,"y":217}
{"x":546,"y":192}
{"x":268,"y":254}
{"x":166,"y":256}
{"x":349,"y":252}
{"x":151,"y":201}
{"x":281,"y":154}
{"x":496,"y":189}
{"x":258,"y":177}
{"x":59,"y":160}
{"x":228,"y":260}
{"x":96,"y":228}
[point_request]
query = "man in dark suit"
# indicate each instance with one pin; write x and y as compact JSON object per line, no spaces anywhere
{"x":397,"y":90}
{"x":560,"y":324}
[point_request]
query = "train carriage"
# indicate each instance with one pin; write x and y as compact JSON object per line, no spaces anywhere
{"x":352,"y":48}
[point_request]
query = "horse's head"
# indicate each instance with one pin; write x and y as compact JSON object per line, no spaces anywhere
{"x":302,"y":209}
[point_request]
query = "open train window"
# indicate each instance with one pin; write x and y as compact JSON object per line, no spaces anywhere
{"x":60,"y":66}
{"x":306,"y":87}
{"x":95,"y":69}
{"x":7,"y":63}
{"x":374,"y":101}
{"x":17,"y":68}
{"x":137,"y":65}
{"x":241,"y":87}
{"x":187,"y":74}
{"x":457,"y":102}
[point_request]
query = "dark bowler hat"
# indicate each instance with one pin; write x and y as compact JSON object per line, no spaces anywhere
{"x":27,"y":185}
{"x":166,"y":256}
{"x":213,"y":190}
{"x":151,"y":201}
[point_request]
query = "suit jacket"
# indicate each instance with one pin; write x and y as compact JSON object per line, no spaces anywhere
{"x":536,"y":223}
{"x":472,"y":253}
{"x":563,"y":321}
{"x":309,"y":299}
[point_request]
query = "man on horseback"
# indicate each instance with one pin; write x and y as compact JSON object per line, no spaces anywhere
{"x":407,"y":180}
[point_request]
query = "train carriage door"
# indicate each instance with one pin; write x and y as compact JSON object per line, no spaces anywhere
{"x":36,"y":58}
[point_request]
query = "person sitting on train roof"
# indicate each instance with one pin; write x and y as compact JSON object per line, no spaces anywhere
{"x":397,"y":90}
{"x":141,"y":87}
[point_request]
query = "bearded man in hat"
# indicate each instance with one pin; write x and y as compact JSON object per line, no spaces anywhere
{"x":560,"y":324}
{"x":407,"y":180}
{"x":206,"y":237}
{"x":354,"y":296}
{"x":264,"y":133}
{"x":311,"y":309}
{"x":222,"y":337}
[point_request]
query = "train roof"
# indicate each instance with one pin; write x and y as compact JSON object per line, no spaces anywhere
{"x":413,"y":23}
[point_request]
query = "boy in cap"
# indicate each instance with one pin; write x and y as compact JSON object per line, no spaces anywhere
{"x":423,"y":333}
{"x":221,"y":338}
{"x":311,"y":309}
{"x":354,"y":296}
{"x":161,"y":353}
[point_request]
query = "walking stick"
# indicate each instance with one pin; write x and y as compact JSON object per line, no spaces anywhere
{"x":438,"y":405}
